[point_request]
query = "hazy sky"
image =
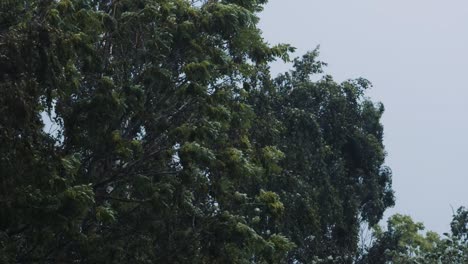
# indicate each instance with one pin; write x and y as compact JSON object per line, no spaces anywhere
{"x":415,"y":52}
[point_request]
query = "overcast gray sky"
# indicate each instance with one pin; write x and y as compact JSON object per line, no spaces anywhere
{"x":415,"y":52}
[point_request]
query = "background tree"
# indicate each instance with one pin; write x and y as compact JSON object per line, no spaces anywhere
{"x":403,"y":242}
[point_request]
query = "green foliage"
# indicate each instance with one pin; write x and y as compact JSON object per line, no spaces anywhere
{"x":105,"y":214}
{"x":170,"y":142}
{"x":327,"y":161}
{"x":403,"y":242}
{"x":272,"y":201}
{"x":459,"y":224}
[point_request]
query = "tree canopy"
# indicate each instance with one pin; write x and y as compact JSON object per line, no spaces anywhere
{"x":151,"y":131}
{"x":404,"y":242}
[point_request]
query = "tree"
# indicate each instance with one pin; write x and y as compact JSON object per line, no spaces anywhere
{"x":459,"y":224}
{"x":172,"y":143}
{"x":403,"y":242}
{"x":332,"y":176}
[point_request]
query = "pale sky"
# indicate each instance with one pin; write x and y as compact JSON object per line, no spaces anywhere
{"x":415,"y":52}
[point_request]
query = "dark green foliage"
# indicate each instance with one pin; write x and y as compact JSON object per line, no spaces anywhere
{"x":331,"y":177}
{"x":169,"y":142}
{"x":459,"y":224}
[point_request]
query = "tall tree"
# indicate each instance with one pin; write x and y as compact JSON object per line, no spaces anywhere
{"x":331,"y":176}
{"x":150,"y":133}
{"x":169,"y":142}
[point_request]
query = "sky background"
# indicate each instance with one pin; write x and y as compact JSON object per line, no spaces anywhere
{"x":416,"y":55}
